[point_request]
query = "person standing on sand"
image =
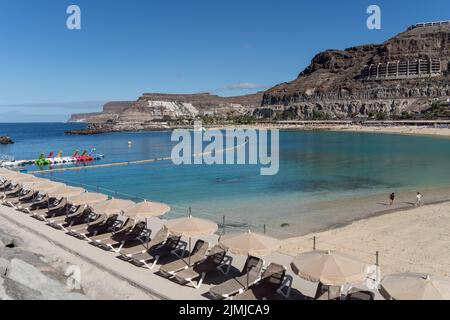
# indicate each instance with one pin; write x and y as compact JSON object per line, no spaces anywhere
{"x":419,"y":197}
{"x":392,"y":198}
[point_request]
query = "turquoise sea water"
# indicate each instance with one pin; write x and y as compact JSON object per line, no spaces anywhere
{"x":314,"y":167}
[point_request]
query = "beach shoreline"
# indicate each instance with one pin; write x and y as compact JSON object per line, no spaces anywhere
{"x":406,"y":241}
{"x":382,"y":129}
{"x":343,"y":212}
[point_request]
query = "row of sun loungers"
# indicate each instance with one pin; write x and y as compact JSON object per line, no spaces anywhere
{"x":134,"y":243}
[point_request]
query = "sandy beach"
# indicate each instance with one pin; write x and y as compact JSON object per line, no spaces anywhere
{"x":415,"y":240}
{"x":391,"y":129}
{"x":410,"y":130}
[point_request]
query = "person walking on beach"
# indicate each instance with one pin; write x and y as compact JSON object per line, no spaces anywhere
{"x":392,"y":198}
{"x":419,"y":197}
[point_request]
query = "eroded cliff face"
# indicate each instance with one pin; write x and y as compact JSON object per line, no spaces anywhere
{"x":332,"y":83}
{"x":151,"y":108}
{"x":332,"y":86}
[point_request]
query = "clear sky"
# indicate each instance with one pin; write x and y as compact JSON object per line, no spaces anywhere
{"x":125,"y":48}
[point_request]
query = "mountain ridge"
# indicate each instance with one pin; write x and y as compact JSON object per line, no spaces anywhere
{"x":400,"y":77}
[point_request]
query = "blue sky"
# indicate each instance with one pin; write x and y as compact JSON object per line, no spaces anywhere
{"x":129,"y":47}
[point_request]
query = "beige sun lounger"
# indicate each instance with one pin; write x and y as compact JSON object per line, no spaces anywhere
{"x":215,"y":260}
{"x":198,"y":254}
{"x":250,"y":274}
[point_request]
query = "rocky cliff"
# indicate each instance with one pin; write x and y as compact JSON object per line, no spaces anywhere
{"x":332,"y":84}
{"x":109,"y":109}
{"x":152,"y":110}
{"x":401,"y":77}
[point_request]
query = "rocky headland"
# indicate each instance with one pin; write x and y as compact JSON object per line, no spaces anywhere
{"x":406,"y":77}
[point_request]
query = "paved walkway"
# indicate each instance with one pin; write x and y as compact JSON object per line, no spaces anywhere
{"x":143,"y":278}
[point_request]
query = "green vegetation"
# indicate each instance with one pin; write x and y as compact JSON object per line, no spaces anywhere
{"x":319,"y":115}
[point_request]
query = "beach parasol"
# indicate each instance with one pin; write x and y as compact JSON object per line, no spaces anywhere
{"x":191,"y":227}
{"x":43,"y":186}
{"x":415,"y":286}
{"x":330,"y":268}
{"x":146,"y":209}
{"x":249,"y":244}
{"x":65,"y":192}
{"x":6,"y":174}
{"x":25,"y":178}
{"x":87,"y":198}
{"x":112,"y":207}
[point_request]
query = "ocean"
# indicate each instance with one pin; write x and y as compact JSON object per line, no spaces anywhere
{"x":317,"y":169}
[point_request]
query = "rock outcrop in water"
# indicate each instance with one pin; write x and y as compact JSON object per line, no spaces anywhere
{"x":404,"y":77}
{"x":6,"y":140}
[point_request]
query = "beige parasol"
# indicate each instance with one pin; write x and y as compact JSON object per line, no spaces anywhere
{"x":249,"y":243}
{"x":146,"y":209}
{"x":87,"y":198}
{"x":11,"y":176}
{"x":65,"y":192}
{"x":43,"y":186}
{"x":111,"y":207}
{"x":7,"y":174}
{"x":191,"y":227}
{"x":415,"y":286}
{"x":329,"y":268}
{"x":23,"y":179}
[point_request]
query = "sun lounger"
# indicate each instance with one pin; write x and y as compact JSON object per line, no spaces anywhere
{"x":250,"y":274}
{"x":197,"y":254}
{"x":358,"y":294}
{"x":57,"y":208}
{"x":121,"y":226}
{"x":12,"y":199}
{"x":11,"y":193}
{"x":137,"y":233}
{"x":71,"y":211}
{"x":97,"y":219}
{"x":5,"y":185}
{"x":325,"y":292}
{"x":99,"y":228}
{"x":156,"y":252}
{"x":41,"y":202}
{"x":130,"y":249}
{"x":215,"y":260}
{"x":273,"y":281}
{"x":28,"y":197}
{"x":77,"y":215}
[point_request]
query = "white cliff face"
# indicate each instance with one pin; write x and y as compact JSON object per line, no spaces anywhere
{"x":172,"y":108}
